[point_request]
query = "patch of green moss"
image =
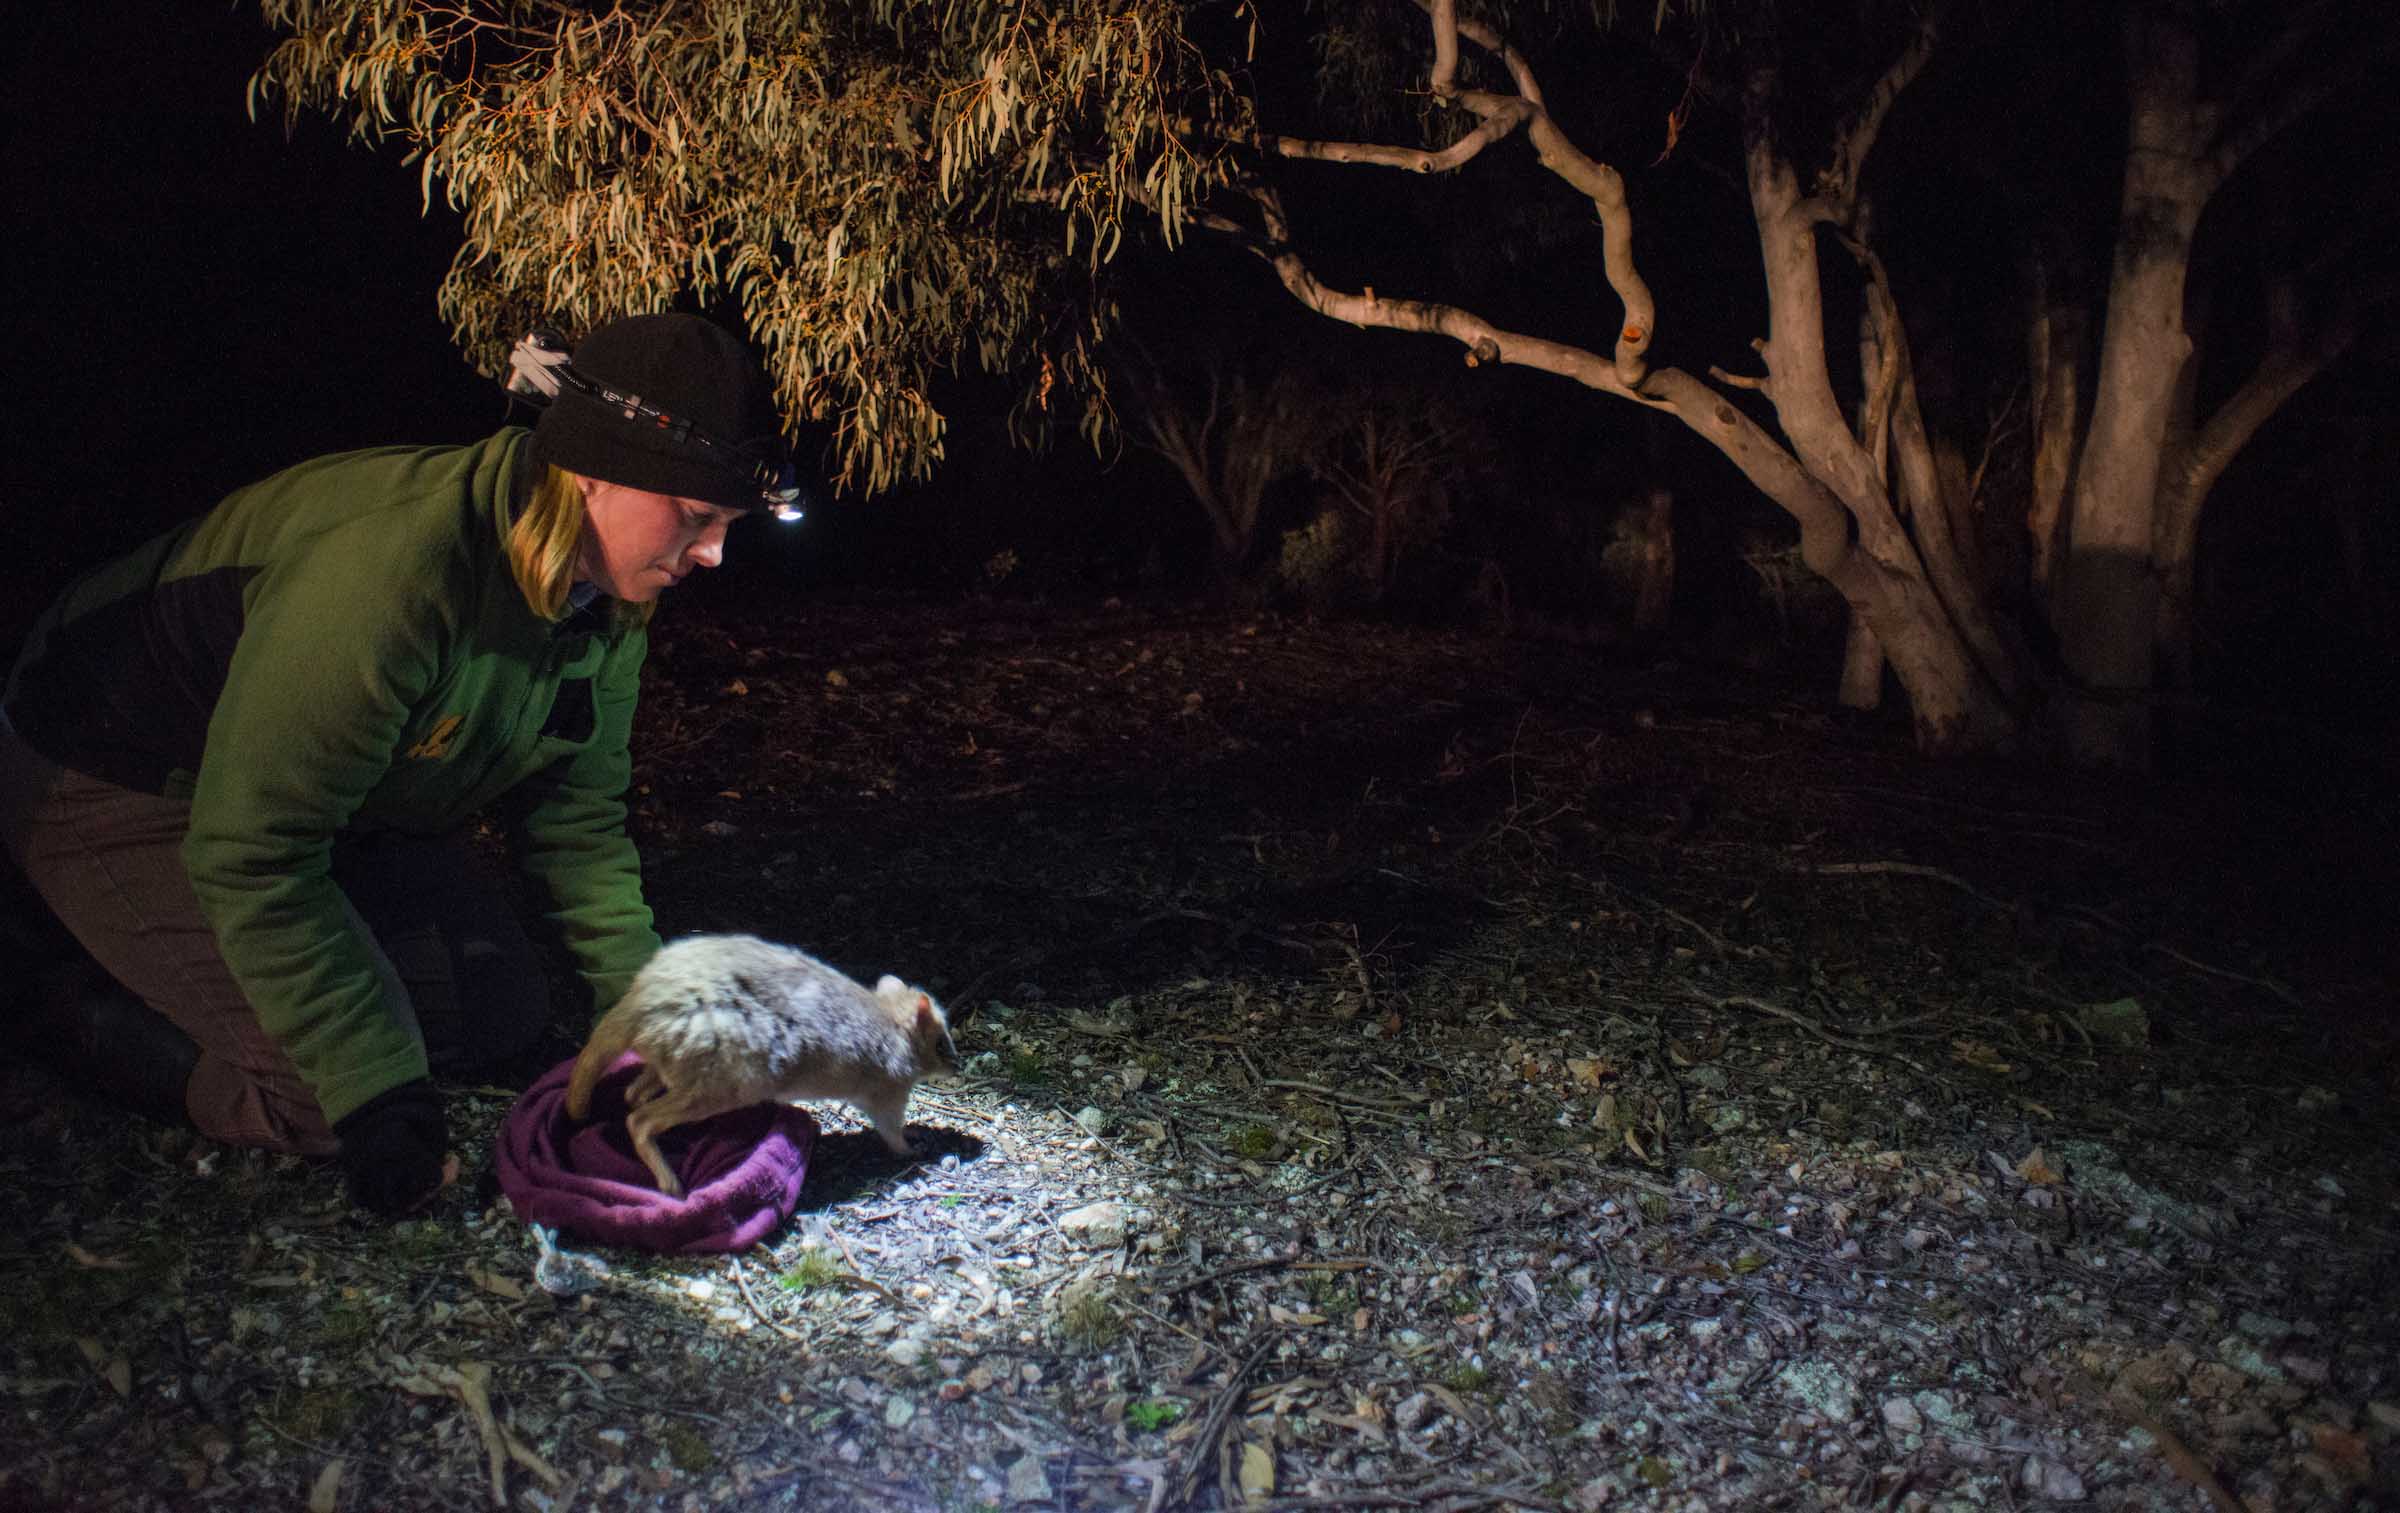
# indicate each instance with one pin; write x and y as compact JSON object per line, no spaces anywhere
{"x":1253,"y":1142}
{"x":1464,"y":1378}
{"x":345,"y":1326}
{"x":1332,"y":1294}
{"x":1089,"y":1318}
{"x":417,"y":1240}
{"x":687,"y":1448}
{"x":1152,"y":1414}
{"x":1025,"y":1064}
{"x":316,"y":1414}
{"x":815,"y":1268}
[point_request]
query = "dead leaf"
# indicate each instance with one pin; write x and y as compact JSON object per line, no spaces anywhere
{"x":1356,"y":1423}
{"x":2036,"y":1168}
{"x":494,"y":1283}
{"x":326,"y":1494}
{"x":1590,"y":1071}
{"x":83,"y":1257}
{"x":1258,"y":1471}
{"x":737,"y":686}
{"x":1978,"y":1054}
{"x":834,"y":679}
{"x":2344,"y":1451}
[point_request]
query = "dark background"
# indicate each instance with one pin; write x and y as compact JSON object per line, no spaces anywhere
{"x":197,"y":300}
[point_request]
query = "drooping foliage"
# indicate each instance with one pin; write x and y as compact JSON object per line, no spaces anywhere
{"x":883,"y":189}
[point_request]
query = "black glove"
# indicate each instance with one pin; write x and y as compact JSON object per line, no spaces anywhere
{"x":392,"y":1148}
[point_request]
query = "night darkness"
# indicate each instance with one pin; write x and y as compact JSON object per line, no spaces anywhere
{"x":1571,"y":1068}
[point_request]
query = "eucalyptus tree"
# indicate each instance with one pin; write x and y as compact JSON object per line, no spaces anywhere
{"x":885,"y":188}
{"x":889,"y":188}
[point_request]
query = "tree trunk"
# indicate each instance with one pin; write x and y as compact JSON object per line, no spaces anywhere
{"x":1862,"y":667}
{"x":1954,"y":709}
{"x":1881,"y":576}
{"x":2054,"y":353}
{"x":2107,"y":593}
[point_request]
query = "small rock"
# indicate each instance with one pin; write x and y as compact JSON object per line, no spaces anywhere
{"x":2048,"y":1478}
{"x":1027,"y":1483}
{"x":1099,"y":1225}
{"x":2306,"y":1368}
{"x":904,"y":1351}
{"x":1093,"y":1119}
{"x":2386,"y":1414}
{"x":1822,"y":1388}
{"x":2262,"y":1327}
{"x":1410,"y":1413}
{"x":897,"y":1411}
{"x":1902,"y":1415}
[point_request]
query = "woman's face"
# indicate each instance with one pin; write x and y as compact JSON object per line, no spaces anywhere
{"x":640,"y":544}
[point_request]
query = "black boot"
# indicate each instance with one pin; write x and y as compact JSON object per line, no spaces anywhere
{"x":98,"y":1036}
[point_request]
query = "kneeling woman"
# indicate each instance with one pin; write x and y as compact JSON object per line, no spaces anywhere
{"x":237,"y":763}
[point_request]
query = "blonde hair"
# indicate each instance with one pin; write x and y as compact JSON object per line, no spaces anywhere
{"x":543,"y":543}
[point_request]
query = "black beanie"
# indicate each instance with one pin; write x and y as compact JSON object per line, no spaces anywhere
{"x":693,"y":370}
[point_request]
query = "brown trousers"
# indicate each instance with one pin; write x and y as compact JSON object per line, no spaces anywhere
{"x":109,"y":863}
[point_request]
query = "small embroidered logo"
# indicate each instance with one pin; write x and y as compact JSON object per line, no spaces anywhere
{"x":437,"y":745}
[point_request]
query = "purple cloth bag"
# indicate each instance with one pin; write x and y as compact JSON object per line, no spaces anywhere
{"x":741,"y":1171}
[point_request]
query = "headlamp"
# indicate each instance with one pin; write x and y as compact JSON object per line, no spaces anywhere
{"x":538,"y":369}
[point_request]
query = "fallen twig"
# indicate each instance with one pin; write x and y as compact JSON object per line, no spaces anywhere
{"x":1203,"y":1446}
{"x":1761,"y":1006}
{"x":2178,"y":1456}
{"x":2276,"y":988}
{"x":1909,"y":869}
{"x":741,"y":1276}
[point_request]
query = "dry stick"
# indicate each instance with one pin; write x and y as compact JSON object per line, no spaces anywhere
{"x":1409,"y":1497}
{"x":741,"y":1274}
{"x":1704,"y":932}
{"x":1203,"y":1447}
{"x":1396,"y":1102}
{"x":2178,"y":1455}
{"x":1908,"y":869}
{"x":1760,"y":1005}
{"x":1033,"y":960}
{"x":2276,"y":988}
{"x":1271,"y":1263}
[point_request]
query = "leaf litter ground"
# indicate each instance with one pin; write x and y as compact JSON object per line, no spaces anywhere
{"x":1403,"y":1070}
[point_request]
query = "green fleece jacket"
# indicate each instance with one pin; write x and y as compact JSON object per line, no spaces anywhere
{"x":343,"y":647}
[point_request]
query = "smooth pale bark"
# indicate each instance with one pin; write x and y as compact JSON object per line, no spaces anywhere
{"x":1862,"y":667}
{"x":1934,"y":495}
{"x":1954,"y":706}
{"x":1951,"y":708}
{"x":2107,"y":599}
{"x":2054,"y":344}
